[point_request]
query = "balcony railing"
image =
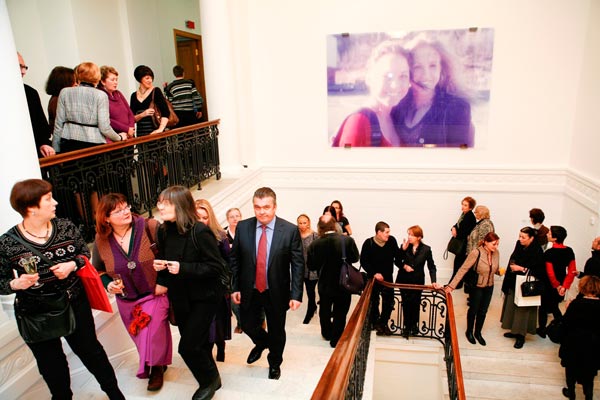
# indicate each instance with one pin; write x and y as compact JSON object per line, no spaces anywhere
{"x":139,"y":168}
{"x":344,"y":374}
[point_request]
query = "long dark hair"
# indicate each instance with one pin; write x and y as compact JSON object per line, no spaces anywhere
{"x":185,"y":208}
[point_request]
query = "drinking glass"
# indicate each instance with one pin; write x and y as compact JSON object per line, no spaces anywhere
{"x":118,"y":280}
{"x":29,"y":264}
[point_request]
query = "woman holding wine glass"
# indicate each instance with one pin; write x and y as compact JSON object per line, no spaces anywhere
{"x":123,"y":249}
{"x":61,"y":244}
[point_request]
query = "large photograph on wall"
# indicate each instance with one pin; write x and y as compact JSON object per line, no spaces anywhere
{"x":409,"y":89}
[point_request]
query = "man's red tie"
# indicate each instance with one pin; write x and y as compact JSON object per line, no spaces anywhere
{"x":261,"y":261}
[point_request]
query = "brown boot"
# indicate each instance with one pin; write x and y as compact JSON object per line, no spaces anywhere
{"x":156,"y":378}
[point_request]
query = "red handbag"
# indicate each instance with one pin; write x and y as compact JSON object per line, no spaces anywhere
{"x":93,"y":287}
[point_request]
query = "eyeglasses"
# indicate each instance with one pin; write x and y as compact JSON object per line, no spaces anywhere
{"x":122,"y":211}
{"x":25,"y":67}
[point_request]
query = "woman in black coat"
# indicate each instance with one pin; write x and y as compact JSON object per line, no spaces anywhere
{"x":526,"y":257}
{"x":580,"y":345}
{"x":411,"y":270}
{"x":461,"y":230}
{"x":190,"y":264}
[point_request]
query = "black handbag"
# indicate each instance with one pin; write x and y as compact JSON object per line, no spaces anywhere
{"x":351,"y":279}
{"x":46,"y":316}
{"x":455,"y":245}
{"x":531,"y":286}
{"x":470,"y":278}
{"x":42,"y":317}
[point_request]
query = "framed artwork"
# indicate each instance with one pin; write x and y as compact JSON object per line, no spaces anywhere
{"x":409,"y":89}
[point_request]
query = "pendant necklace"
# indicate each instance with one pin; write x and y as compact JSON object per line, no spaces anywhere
{"x":130,"y":264}
{"x":45,"y":237}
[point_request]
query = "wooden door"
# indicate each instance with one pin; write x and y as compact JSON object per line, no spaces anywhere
{"x":188,"y":47}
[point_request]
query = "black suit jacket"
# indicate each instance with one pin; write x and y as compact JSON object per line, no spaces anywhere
{"x":285,"y":266}
{"x":39,"y":123}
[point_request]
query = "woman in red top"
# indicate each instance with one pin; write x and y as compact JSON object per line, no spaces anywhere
{"x":560,"y":273}
{"x":388,"y":80}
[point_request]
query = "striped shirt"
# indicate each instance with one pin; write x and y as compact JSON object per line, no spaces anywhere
{"x":183,"y":95}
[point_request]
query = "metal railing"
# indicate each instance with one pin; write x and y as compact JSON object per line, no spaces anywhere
{"x":139,"y":168}
{"x":344,"y":374}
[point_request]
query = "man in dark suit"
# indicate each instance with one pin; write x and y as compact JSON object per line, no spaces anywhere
{"x":39,"y":123}
{"x":273,"y":284}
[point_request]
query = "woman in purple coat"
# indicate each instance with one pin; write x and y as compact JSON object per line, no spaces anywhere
{"x":121,"y":117}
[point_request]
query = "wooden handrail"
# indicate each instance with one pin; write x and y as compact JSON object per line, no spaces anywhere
{"x":335,"y":377}
{"x":334,"y":380}
{"x":105,"y":148}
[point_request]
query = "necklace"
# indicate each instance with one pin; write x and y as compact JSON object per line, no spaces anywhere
{"x":121,"y":238}
{"x":45,"y":237}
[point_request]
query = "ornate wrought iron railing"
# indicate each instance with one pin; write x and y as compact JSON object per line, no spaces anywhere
{"x":139,"y":168}
{"x":344,"y":375}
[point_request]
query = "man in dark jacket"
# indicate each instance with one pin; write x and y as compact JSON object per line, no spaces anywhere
{"x":377,"y":257}
{"x":592,"y":265}
{"x":325,"y":256}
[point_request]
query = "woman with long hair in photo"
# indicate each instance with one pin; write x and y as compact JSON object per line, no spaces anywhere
{"x":189,"y":264}
{"x":61,"y":243}
{"x":123,"y":248}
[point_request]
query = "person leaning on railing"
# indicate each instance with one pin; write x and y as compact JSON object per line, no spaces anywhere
{"x":487,"y":258}
{"x":82,"y":115}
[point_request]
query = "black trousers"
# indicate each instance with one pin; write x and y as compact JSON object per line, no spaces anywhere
{"x":311,"y":295}
{"x":387,"y":304}
{"x":587,"y":381}
{"x":411,"y":300}
{"x":459,"y":259}
{"x":332,"y":314}
{"x":252,"y":318}
{"x":478,"y":307}
{"x":194,"y":347}
{"x":52,"y":361}
{"x":550,"y":301}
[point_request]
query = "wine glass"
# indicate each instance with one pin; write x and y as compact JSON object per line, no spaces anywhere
{"x":118,"y":280}
{"x":29,"y":264}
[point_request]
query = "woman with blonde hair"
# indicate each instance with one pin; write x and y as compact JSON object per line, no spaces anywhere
{"x":310,"y":277}
{"x":121,"y":117}
{"x":388,"y":80}
{"x":82,"y":114}
{"x":220,"y":329}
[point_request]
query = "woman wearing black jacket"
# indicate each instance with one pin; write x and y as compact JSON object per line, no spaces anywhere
{"x":411,"y":270}
{"x":189,"y":264}
{"x":580,"y":345}
{"x":461,"y":230}
{"x":526,"y":257}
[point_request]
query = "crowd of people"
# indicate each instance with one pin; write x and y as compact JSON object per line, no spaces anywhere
{"x":86,"y":108}
{"x":190,"y":272}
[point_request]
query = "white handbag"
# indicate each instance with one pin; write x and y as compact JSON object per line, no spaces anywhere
{"x":521,"y":301}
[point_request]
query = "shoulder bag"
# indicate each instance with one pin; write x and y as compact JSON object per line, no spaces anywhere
{"x":173,"y":119}
{"x":351,"y":280}
{"x":46,"y":316}
{"x":470,"y":278}
{"x":531,"y":286}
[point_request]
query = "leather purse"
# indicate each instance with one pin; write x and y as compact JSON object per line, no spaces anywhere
{"x":173,"y":118}
{"x":351,"y":279}
{"x":531,"y":286}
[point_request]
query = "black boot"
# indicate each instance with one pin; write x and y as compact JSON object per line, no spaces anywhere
{"x":469,"y":332}
{"x":478,"y":328}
